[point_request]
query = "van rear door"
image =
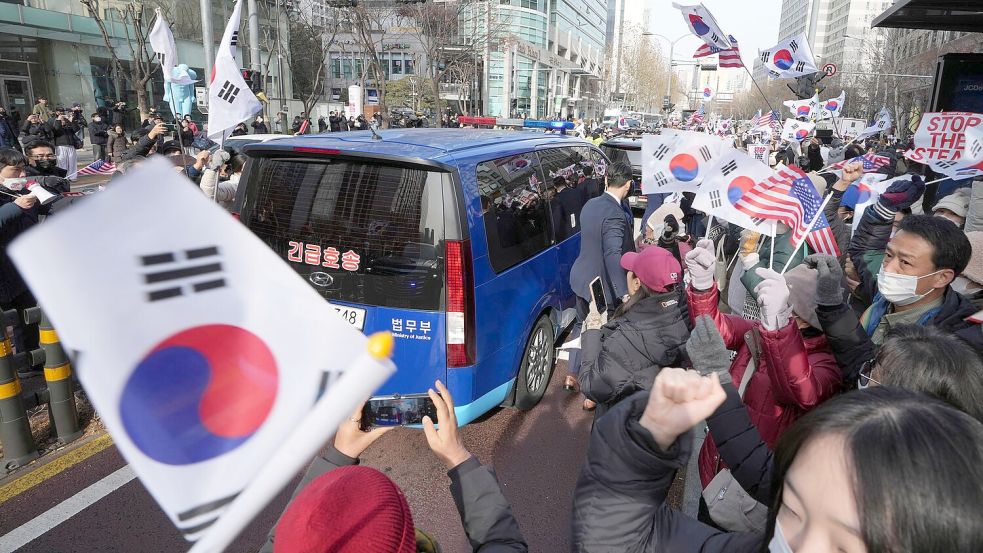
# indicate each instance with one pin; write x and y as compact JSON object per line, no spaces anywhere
{"x":369,"y":237}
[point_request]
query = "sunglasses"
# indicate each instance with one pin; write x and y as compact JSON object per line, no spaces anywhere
{"x":864,"y":379}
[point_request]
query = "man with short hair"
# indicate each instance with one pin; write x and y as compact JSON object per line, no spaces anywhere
{"x":64,"y":132}
{"x":42,"y":160}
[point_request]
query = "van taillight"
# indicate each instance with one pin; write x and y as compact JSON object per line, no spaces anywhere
{"x":460,"y":304}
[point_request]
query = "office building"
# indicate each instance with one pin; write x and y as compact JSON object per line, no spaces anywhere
{"x":625,"y":19}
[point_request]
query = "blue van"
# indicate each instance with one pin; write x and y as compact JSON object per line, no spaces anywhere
{"x":448,"y":238}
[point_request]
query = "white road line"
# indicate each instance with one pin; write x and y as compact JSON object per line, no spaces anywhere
{"x":65,"y":510}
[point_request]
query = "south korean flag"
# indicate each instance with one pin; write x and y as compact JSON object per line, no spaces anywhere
{"x":789,"y":59}
{"x":204,"y":353}
{"x":230,"y":101}
{"x":796,"y":131}
{"x":725,"y":184}
{"x":702,"y":24}
{"x":677,"y":161}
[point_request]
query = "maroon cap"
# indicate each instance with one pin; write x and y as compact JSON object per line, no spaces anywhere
{"x":655,"y":267}
{"x":356,"y":509}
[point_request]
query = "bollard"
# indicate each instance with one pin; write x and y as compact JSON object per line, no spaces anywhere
{"x":15,"y":428}
{"x":58,"y":376}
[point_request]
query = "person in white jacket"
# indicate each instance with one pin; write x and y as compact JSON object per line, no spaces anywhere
{"x":223,"y":192}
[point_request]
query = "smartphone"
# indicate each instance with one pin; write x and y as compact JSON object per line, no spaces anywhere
{"x":171,"y":127}
{"x":597,"y":293}
{"x":400,"y":411}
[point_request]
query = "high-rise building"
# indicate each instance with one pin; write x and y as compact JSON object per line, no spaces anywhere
{"x":625,"y":17}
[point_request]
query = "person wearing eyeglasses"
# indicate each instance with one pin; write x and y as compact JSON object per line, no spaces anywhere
{"x":42,"y":160}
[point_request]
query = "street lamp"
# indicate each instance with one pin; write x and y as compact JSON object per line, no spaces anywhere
{"x":672,"y":45}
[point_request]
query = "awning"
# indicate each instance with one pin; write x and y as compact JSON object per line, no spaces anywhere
{"x":939,"y":15}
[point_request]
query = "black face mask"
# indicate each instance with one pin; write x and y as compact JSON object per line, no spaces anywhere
{"x":46,"y":164}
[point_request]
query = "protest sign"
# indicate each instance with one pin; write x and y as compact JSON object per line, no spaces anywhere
{"x":942,"y":135}
{"x":760,"y":152}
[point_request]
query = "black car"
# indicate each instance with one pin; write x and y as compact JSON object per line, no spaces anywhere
{"x":629,"y":149}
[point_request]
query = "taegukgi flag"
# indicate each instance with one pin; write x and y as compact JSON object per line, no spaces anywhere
{"x":702,"y":24}
{"x":833,"y":107}
{"x":808,"y":108}
{"x":230,"y":101}
{"x":735,"y":174}
{"x":162,"y":43}
{"x":790,"y":58}
{"x":202,"y":351}
{"x":677,"y":161}
{"x":797,"y":131}
{"x":881,"y":124}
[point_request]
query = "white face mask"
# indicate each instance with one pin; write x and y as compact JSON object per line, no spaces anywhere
{"x":965,"y":286}
{"x":778,"y":543}
{"x":900,"y":289}
{"x":15,"y":184}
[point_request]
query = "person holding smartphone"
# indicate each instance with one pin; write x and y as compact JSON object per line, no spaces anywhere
{"x":355,"y":508}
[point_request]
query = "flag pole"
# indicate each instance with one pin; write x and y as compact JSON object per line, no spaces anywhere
{"x":772,"y":108}
{"x":709,"y":226}
{"x":771,"y":255}
{"x":819,"y":214}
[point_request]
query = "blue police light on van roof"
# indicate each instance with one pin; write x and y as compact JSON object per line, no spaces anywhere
{"x":555,"y":125}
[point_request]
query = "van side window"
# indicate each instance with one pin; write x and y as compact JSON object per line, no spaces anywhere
{"x":567,"y":189}
{"x":514,"y":208}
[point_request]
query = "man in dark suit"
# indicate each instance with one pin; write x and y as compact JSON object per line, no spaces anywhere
{"x":565,"y":206}
{"x":606,"y":232}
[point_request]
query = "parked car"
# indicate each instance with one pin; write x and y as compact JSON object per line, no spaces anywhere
{"x":628,"y":148}
{"x":444,"y":237}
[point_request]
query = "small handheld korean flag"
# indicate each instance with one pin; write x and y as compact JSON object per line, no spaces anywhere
{"x":788,"y":59}
{"x":796,"y":130}
{"x":162,"y":43}
{"x":833,"y":107}
{"x":230,"y":101}
{"x":881,"y":124}
{"x":677,"y":161}
{"x":725,"y":184}
{"x":218,"y":371}
{"x":808,"y":108}
{"x":702,"y":24}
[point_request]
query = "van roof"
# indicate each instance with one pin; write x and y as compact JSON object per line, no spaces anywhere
{"x":431,"y":144}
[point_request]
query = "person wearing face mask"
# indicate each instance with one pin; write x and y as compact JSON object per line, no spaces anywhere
{"x":259,"y":126}
{"x":622,"y":356}
{"x":783,"y":363}
{"x":876,"y":470}
{"x":99,"y":136}
{"x":42,"y":160}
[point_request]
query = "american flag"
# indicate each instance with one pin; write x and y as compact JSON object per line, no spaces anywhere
{"x":789,"y":196}
{"x":872,"y":162}
{"x":697,"y":117}
{"x":755,"y":119}
{"x":98,"y":167}
{"x":768,"y":119}
{"x":730,"y":57}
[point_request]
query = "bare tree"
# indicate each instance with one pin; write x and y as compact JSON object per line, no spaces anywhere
{"x":369,"y":28}
{"x":309,"y":47}
{"x":140,"y":69}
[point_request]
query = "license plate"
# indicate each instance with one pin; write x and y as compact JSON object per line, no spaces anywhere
{"x":354,"y":315}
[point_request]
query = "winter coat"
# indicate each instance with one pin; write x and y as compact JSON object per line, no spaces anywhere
{"x":99,"y":132}
{"x":13,"y":222}
{"x":794,"y":373}
{"x":8,"y":136}
{"x":34,"y":131}
{"x":141,"y":148}
{"x":63,"y":133}
{"x":117,"y":145}
{"x":260,"y":127}
{"x":223,"y":192}
{"x":626,"y":354}
{"x":485,"y":513}
{"x":119,"y":117}
{"x":815,"y":157}
{"x":240,"y":130}
{"x":741,"y":447}
{"x":620,"y":500}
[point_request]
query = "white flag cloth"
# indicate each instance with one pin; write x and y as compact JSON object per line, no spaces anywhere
{"x":702,"y":24}
{"x":796,"y":131}
{"x":870,"y":187}
{"x":808,"y":108}
{"x":162,"y":43}
{"x":677,"y":161}
{"x":833,"y":107}
{"x":790,"y":58}
{"x":883,"y":123}
{"x":230,"y":101}
{"x":967,"y":165}
{"x":725,"y":184}
{"x":202,"y":351}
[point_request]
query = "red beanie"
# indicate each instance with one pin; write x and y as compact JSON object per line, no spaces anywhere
{"x":355,"y":509}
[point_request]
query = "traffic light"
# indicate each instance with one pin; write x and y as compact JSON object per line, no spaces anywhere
{"x":254,"y":79}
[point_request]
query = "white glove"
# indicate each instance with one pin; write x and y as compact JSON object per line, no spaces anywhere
{"x":701,"y":262}
{"x":773,"y":294}
{"x":750,"y":260}
{"x":220,"y":158}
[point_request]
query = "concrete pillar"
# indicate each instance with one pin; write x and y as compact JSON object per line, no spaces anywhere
{"x":255,"y":62}
{"x":534,"y":92}
{"x":205,"y":6}
{"x":507,"y":80}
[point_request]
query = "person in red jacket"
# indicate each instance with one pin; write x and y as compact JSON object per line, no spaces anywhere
{"x":794,"y":368}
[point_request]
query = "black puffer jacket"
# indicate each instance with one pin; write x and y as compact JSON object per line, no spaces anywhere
{"x":99,"y":132}
{"x":626,"y":354}
{"x":620,"y":500}
{"x":13,"y":222}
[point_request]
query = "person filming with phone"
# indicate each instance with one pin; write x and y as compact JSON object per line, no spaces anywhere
{"x":340,"y":506}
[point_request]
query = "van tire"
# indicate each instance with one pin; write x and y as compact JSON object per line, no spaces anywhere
{"x":536,"y":368}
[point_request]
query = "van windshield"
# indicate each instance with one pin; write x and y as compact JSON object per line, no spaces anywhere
{"x":359,"y":232}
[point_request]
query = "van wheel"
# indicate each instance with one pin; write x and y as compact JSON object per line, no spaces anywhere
{"x":537,"y":365}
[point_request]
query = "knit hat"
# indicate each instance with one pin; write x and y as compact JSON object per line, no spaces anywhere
{"x":801,"y":282}
{"x":350,"y":509}
{"x":974,"y":270}
{"x":655,"y":267}
{"x":957,"y":202}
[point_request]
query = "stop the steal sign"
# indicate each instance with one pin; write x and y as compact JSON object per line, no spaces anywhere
{"x":942,"y":135}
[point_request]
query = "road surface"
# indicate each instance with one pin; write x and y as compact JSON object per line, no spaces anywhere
{"x":95,"y":504}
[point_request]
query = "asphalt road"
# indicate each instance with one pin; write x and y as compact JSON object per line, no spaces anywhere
{"x":537,"y":455}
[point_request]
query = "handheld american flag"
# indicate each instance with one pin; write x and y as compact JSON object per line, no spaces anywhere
{"x":98,"y":167}
{"x":789,"y":196}
{"x":872,"y":162}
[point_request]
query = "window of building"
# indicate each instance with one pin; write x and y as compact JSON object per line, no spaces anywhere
{"x":408,"y":66}
{"x":517,"y":225}
{"x":397,"y":67}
